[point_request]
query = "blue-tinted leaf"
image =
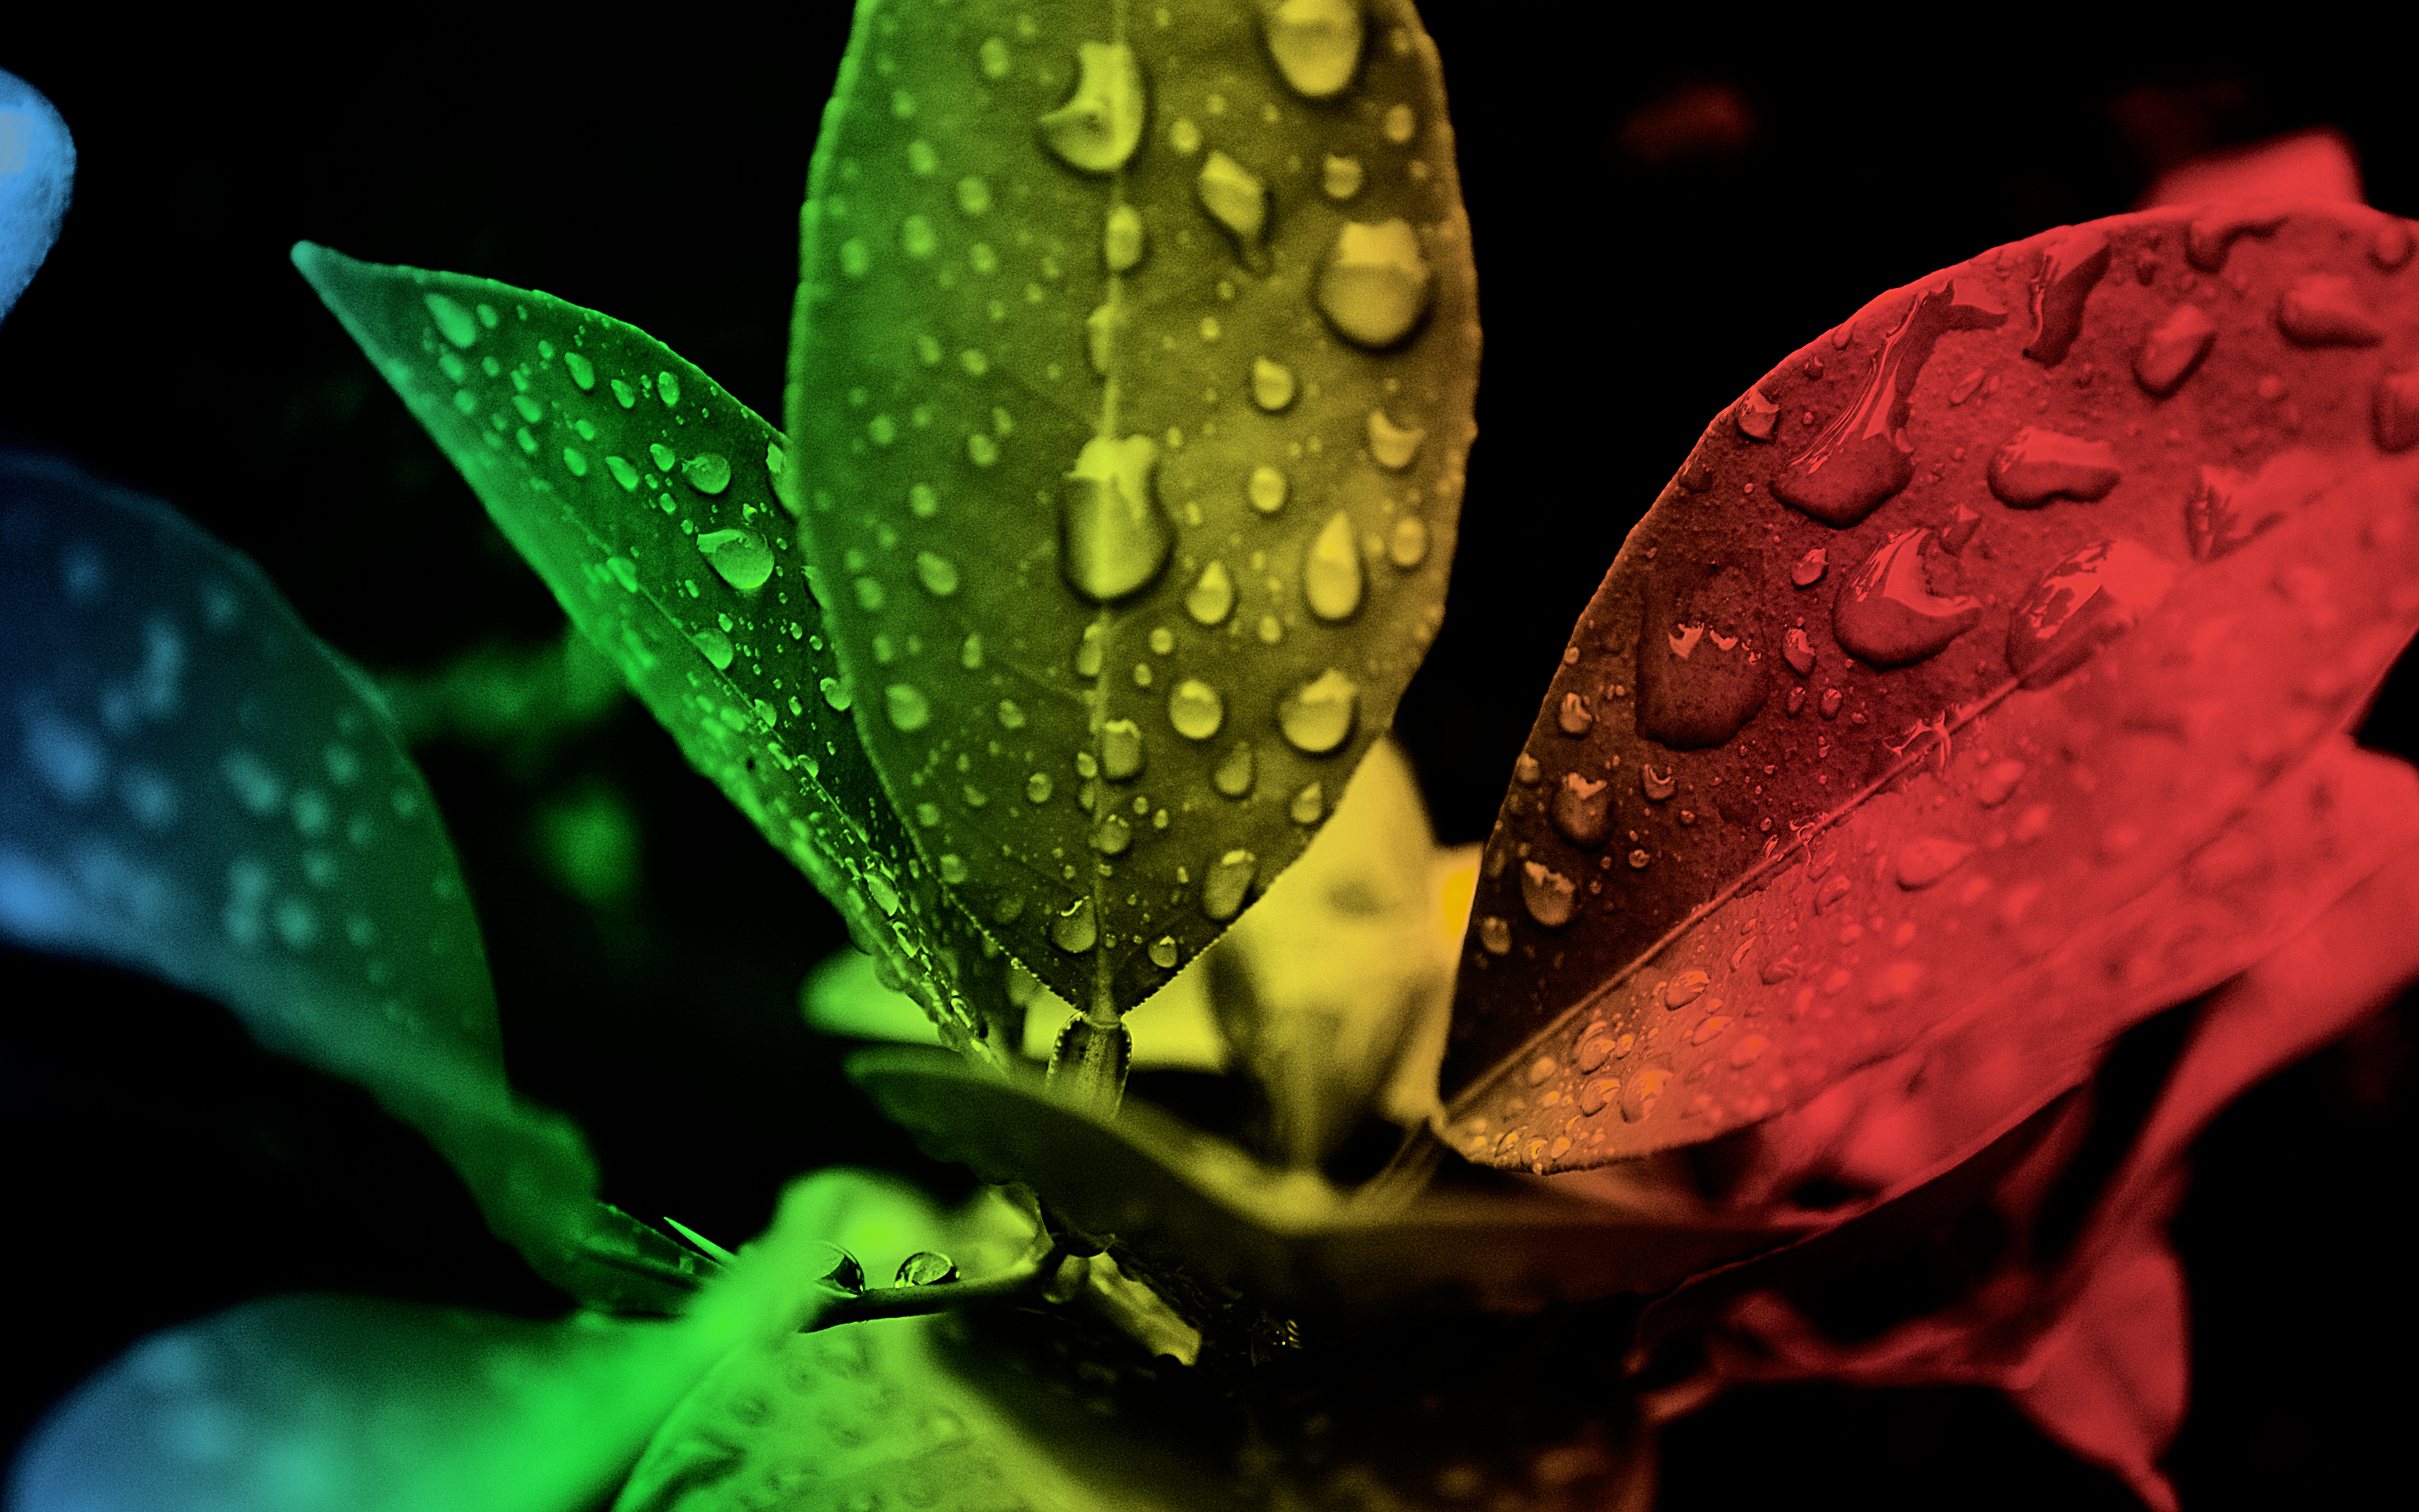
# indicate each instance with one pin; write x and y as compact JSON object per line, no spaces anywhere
{"x":193,"y":785}
{"x":643,"y":494}
{"x":1131,"y":382}
{"x":338,"y":1404}
{"x":37,"y":176}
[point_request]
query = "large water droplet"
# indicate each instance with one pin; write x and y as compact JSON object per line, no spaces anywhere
{"x":2067,"y":269}
{"x":1211,"y":597}
{"x":1317,"y":716}
{"x":1548,"y":895}
{"x":909,"y":710}
{"x":1701,"y":651}
{"x":1112,"y":835}
{"x":1273,"y":385}
{"x":1393,"y":445}
{"x":740,"y":557}
{"x":2327,"y":310}
{"x":1375,"y":283}
{"x":1164,"y":953}
{"x":2037,"y":466}
{"x":1195,"y":709}
{"x":1927,"y":858}
{"x":835,"y":693}
{"x":1331,"y":571}
{"x":1230,"y":878}
{"x":715,"y":645}
{"x":2229,"y":507}
{"x":2173,"y":349}
{"x":708,"y":472}
{"x":1121,"y":748}
{"x":624,"y":473}
{"x":1235,"y":198}
{"x":1121,"y":238}
{"x":1267,"y":489}
{"x":1099,"y":127}
{"x":1037,"y":787}
{"x":668,"y":389}
{"x":1683,"y":988}
{"x":1887,"y":616}
{"x":1645,"y":1089}
{"x":1997,"y":782}
{"x":1582,"y":810}
{"x":1861,"y":458}
{"x":453,"y":322}
{"x":1074,"y":928}
{"x":1114,"y":536}
{"x":1233,"y":776}
{"x":1315,"y":43}
{"x":2080,"y":605}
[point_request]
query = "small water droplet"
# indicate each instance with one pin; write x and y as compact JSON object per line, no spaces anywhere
{"x":1886,"y":614}
{"x":739,"y":558}
{"x":708,"y":472}
{"x":1211,"y":597}
{"x":1112,"y":835}
{"x":1495,"y":935}
{"x":1307,"y":806}
{"x":1375,"y":285}
{"x":1548,"y":895}
{"x":1163,"y":953}
{"x":1230,"y":878}
{"x":938,"y":574}
{"x":1184,"y":136}
{"x":1575,"y":717}
{"x":2327,"y":310}
{"x":1582,"y":810}
{"x":1273,"y":385}
{"x":1401,"y":124}
{"x":1235,"y":198}
{"x":1525,"y":770}
{"x":624,"y":473}
{"x":1088,"y":651}
{"x":1340,"y":177}
{"x":2064,"y":272}
{"x":1833,"y":888}
{"x":1408,"y":545}
{"x":1393,"y":445}
{"x":1121,"y":748}
{"x":1798,"y":651}
{"x":715,"y":645}
{"x":1330,"y":570}
{"x":1115,"y":537}
{"x":953,"y":869}
{"x":1316,"y":716}
{"x":453,"y":322}
{"x":1710,"y":1030}
{"x":1927,"y":858}
{"x":1267,"y":489}
{"x":1097,"y":130}
{"x":1037,"y":787}
{"x":664,"y":458}
{"x":624,"y":572}
{"x":909,"y":710}
{"x":624,"y":394}
{"x":2037,"y":464}
{"x":1317,"y":44}
{"x":835,"y":693}
{"x":1997,"y":782}
{"x":970,"y":651}
{"x":1830,"y":703}
{"x":668,"y":389}
{"x":2174,"y":348}
{"x":974,"y":196}
{"x":1121,"y":238}
{"x":1195,"y":709}
{"x":1684,"y":988}
{"x":1810,"y":568}
{"x":1074,"y":928}
{"x":1233,"y":773}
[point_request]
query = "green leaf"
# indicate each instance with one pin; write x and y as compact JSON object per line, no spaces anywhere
{"x":1131,"y":382}
{"x":1966,"y":626}
{"x":338,"y":1404}
{"x":197,"y":787}
{"x":643,"y":494}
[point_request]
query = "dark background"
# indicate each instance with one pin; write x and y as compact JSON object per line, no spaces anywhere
{"x":1655,"y":226}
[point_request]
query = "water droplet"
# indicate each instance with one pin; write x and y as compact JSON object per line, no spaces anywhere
{"x":1798,"y":651}
{"x":909,"y":710}
{"x":1316,"y":716}
{"x":2087,"y":600}
{"x":2064,"y":272}
{"x":1121,"y":238}
{"x":1755,"y":415}
{"x":576,"y":461}
{"x":1121,"y":748}
{"x":1271,"y":632}
{"x":2326,"y":310}
{"x":1273,"y":384}
{"x":1375,"y":284}
{"x":664,"y":458}
{"x":1886,"y":614}
{"x":1541,"y":1071}
{"x":1010,"y":717}
{"x":1573,"y":717}
{"x":1340,"y":177}
{"x":1331,"y":571}
{"x":1833,"y":888}
{"x":1701,"y":657}
{"x":1495,"y":935}
{"x":1195,"y":709}
{"x":1115,"y":537}
{"x":1997,"y":782}
{"x":2396,"y":410}
{"x":1401,"y":124}
{"x":452,"y":321}
{"x":1267,"y":489}
{"x":970,"y":651}
{"x":708,"y":472}
{"x":1308,"y":805}
{"x":1087,"y":651}
{"x":974,"y":195}
{"x":2037,"y":465}
{"x":1548,"y":895}
{"x":1392,"y":445}
{"x":624,"y":394}
{"x":739,"y":558}
{"x":715,"y":645}
{"x":1235,"y":198}
{"x":1211,"y":597}
{"x":1233,"y":776}
{"x":1101,"y":124}
{"x":840,"y":1269}
{"x":1112,"y":835}
{"x":1317,"y":44}
{"x":1230,"y":878}
{"x":1810,"y":568}
{"x":1074,"y":928}
{"x":1645,"y":1089}
{"x":835,"y":693}
{"x":1597,"y":1095}
{"x":1408,"y":545}
{"x":1639,"y":860}
{"x":1927,"y":858}
{"x":938,"y":574}
{"x":953,"y":869}
{"x":1830,"y":703}
{"x":668,"y":389}
{"x":1163,"y":953}
{"x":2173,"y":349}
{"x":624,"y":572}
{"x":1184,"y":137}
{"x":1658,"y":786}
{"x":1037,"y":787}
{"x":1582,"y":810}
{"x":1710,"y":1030}
{"x":624,"y":473}
{"x":870,"y":596}
{"x":1861,"y":458}
{"x":1685,"y":988}
{"x":926,"y":1268}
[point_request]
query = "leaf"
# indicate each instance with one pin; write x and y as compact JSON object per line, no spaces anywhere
{"x":643,"y":494}
{"x":38,"y":161}
{"x":2082,"y":649}
{"x":341,"y":1404}
{"x":1132,"y":381}
{"x":1287,"y":1236}
{"x":197,"y":787}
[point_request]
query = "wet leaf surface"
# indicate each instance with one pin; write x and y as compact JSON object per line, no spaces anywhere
{"x":196,"y":786}
{"x":2018,"y":635}
{"x":1131,"y":379}
{"x":644,"y":495}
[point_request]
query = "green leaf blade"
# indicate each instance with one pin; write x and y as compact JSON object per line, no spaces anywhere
{"x":1033,"y":381}
{"x":645,"y":495}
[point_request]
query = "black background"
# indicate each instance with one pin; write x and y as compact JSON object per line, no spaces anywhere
{"x":157,"y":1168}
